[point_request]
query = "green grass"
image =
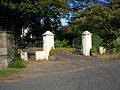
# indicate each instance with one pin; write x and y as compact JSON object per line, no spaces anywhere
{"x":16,"y":64}
{"x":69,"y":49}
{"x":24,"y":61}
{"x":65,"y":49}
{"x":3,"y":54}
{"x":56,"y":48}
{"x":6,"y":73}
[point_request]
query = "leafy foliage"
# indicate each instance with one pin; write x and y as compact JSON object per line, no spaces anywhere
{"x":96,"y":41}
{"x":117,"y":47}
{"x":39,"y":15}
{"x":62,"y":43}
{"x":52,"y":52}
{"x":24,"y":61}
{"x":16,"y":64}
{"x":68,"y":33}
{"x":93,"y":49}
{"x":16,"y":52}
{"x":100,"y":18}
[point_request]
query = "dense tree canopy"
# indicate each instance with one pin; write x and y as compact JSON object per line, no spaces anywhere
{"x":102,"y":18}
{"x":40,"y":15}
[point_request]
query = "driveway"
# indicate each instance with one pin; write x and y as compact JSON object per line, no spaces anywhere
{"x":67,"y":72}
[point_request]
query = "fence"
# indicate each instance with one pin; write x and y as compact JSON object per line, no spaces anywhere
{"x":35,"y":43}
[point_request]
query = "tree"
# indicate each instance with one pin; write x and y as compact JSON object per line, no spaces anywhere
{"x":101,"y":18}
{"x":40,"y":15}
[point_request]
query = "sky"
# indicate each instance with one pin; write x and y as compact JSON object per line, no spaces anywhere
{"x":64,"y":22}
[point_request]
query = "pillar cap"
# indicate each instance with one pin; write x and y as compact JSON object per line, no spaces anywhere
{"x":48,"y":33}
{"x":86,"y":33}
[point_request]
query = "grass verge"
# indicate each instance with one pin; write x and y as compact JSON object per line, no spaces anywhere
{"x":64,"y":49}
{"x":7,"y":73}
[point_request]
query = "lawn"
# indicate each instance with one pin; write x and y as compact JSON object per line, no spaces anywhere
{"x":7,"y":73}
{"x":56,"y":48}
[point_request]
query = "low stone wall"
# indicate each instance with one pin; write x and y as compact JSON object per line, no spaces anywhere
{"x":3,"y":51}
{"x":6,"y":48}
{"x":3,"y":62}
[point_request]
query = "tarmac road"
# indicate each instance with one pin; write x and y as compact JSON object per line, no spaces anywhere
{"x":68,"y":72}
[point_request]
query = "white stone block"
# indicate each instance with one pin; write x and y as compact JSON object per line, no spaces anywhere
{"x":40,"y":55}
{"x":24,"y":55}
{"x":102,"y":50}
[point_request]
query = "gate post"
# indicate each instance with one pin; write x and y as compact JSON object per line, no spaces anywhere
{"x":86,"y":43}
{"x":6,"y":48}
{"x":48,"y":42}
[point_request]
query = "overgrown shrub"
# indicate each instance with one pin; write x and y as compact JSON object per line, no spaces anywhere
{"x":24,"y":61}
{"x":57,"y":43}
{"x":16,"y":64}
{"x":93,"y":49}
{"x":62,"y":43}
{"x":22,"y":42}
{"x":16,"y":52}
{"x":96,"y":41}
{"x":114,"y":47}
{"x":52,"y":52}
{"x":118,"y":48}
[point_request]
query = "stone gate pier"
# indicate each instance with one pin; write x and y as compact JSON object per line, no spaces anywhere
{"x":86,"y":43}
{"x":48,"y":43}
{"x":6,"y":48}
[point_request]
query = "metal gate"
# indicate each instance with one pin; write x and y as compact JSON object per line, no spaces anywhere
{"x":32,"y":46}
{"x":77,"y":45}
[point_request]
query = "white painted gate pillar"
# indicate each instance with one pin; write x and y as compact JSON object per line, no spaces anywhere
{"x":86,"y":43}
{"x":48,"y":42}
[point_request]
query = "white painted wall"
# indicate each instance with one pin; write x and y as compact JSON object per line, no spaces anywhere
{"x":86,"y":43}
{"x":40,"y":55}
{"x":48,"y":43}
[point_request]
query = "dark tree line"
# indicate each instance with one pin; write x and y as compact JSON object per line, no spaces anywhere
{"x":97,"y":16}
{"x":101,"y":18}
{"x":40,"y":15}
